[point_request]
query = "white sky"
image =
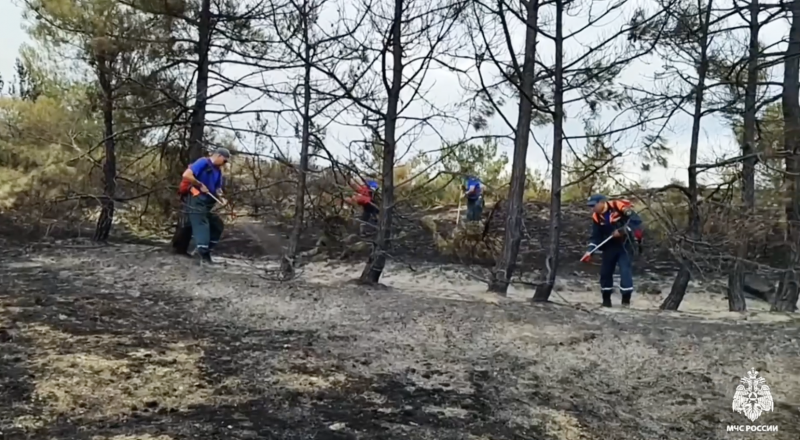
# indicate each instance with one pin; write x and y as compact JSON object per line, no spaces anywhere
{"x":716,"y":138}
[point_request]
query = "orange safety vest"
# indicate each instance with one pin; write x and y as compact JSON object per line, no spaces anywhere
{"x":618,"y":208}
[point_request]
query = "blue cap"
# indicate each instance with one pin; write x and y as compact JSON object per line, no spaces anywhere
{"x":595,"y":199}
{"x":372,"y":184}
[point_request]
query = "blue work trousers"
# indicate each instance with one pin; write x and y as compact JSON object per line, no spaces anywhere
{"x":474,"y":209}
{"x":613,"y":256}
{"x":207,"y":227}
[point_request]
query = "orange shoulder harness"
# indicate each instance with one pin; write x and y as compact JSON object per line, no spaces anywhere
{"x":617,"y":208}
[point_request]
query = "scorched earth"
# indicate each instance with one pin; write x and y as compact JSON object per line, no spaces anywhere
{"x":128,"y":342}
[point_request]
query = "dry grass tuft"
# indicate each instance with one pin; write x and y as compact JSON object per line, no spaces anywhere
{"x":373,"y":397}
{"x":306,"y":383}
{"x":466,"y":241}
{"x":559,"y":424}
{"x":28,"y":423}
{"x":428,"y":223}
{"x":556,"y":424}
{"x":94,"y":385}
{"x":134,"y":437}
{"x":449,"y":412}
{"x":4,"y":313}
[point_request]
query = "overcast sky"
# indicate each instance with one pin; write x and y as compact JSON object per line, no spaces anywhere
{"x":716,"y":137}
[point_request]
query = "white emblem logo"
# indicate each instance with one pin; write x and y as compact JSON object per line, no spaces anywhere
{"x":752,"y":396}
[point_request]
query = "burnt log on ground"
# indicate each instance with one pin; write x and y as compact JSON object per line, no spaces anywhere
{"x":759,"y":288}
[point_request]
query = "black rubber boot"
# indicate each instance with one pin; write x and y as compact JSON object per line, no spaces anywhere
{"x":626,"y":300}
{"x":606,"y":299}
{"x":205,"y":259}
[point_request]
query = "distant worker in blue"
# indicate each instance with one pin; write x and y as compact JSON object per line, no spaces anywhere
{"x":200,"y":189}
{"x":615,"y":227}
{"x":473,"y":191}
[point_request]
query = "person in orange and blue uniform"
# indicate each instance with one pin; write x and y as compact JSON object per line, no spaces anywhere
{"x":366,"y":198}
{"x":370,"y":211}
{"x":618,"y":220}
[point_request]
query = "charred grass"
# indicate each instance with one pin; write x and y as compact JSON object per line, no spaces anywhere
{"x":127,"y":343}
{"x":83,"y":359}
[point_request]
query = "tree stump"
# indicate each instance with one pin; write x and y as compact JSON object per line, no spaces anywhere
{"x":182,"y":236}
{"x":678,"y":291}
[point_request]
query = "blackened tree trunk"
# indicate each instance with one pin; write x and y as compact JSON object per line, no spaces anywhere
{"x":103,"y":227}
{"x":681,"y":283}
{"x":786,"y":297}
{"x":544,"y":290}
{"x":198,"y":122}
{"x":506,"y":263}
{"x":183,"y":229}
{"x":736,"y":301}
{"x":377,"y":259}
{"x":287,"y":265}
{"x":785,"y":300}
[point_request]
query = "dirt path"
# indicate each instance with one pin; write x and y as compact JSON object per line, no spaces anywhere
{"x":128,"y":343}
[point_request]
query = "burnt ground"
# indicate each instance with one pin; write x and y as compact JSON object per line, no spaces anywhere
{"x":128,"y":342}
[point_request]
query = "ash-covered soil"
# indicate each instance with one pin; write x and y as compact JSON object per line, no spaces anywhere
{"x":127,"y":342}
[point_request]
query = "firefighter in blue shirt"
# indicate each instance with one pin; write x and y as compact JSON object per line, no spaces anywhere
{"x":201,"y":188}
{"x":615,"y":219}
{"x":473,"y":191}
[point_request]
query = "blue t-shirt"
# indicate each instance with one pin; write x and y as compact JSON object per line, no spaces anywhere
{"x":473,"y":183}
{"x":207,"y":174}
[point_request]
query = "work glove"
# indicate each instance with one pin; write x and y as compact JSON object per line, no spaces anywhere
{"x":588,"y":255}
